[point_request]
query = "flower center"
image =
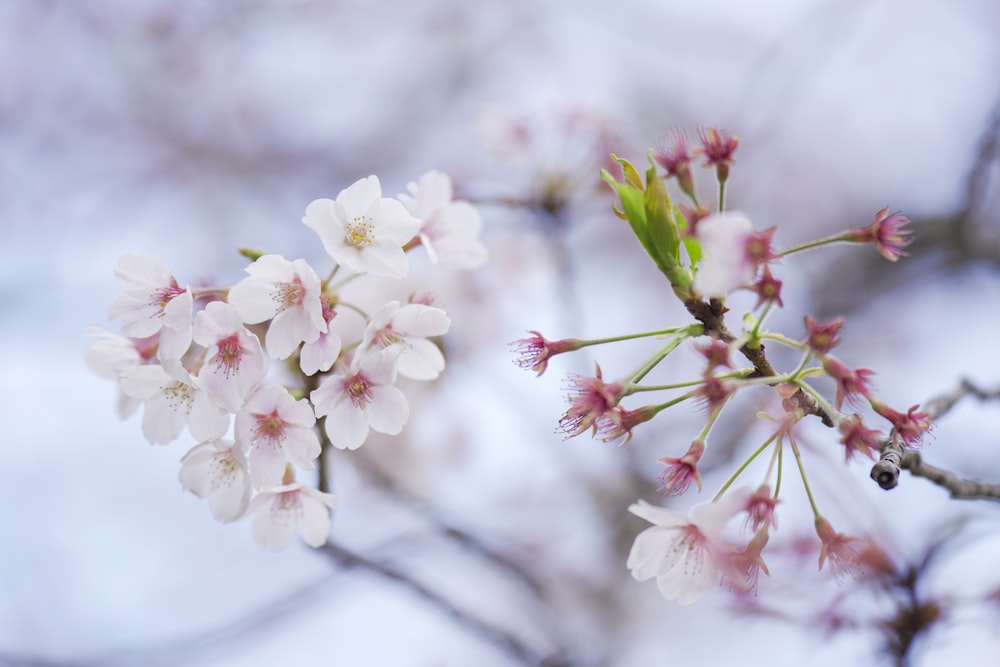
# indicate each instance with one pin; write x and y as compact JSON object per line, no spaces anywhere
{"x":270,"y":427}
{"x":228,"y":357}
{"x":165,"y":295}
{"x":290,"y":294}
{"x":360,"y":231}
{"x":179,"y":396}
{"x":360,"y":391}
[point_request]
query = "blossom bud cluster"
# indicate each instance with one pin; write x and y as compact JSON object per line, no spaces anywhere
{"x":200,"y":359}
{"x":706,"y":257}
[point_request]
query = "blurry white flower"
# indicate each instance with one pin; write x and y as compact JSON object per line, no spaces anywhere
{"x":171,"y":404}
{"x":685,"y":553}
{"x":448,"y":229}
{"x":405,"y":329}
{"x":110,"y":357}
{"x":283,"y":510}
{"x":320,"y":354}
{"x":726,"y":265}
{"x":152,"y":302}
{"x":216,"y":470}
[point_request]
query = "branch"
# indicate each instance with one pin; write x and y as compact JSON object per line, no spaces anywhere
{"x":711,"y":314}
{"x":496,"y":636}
{"x":894,"y":457}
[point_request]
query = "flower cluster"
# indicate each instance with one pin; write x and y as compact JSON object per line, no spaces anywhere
{"x":705,"y":257}
{"x":200,"y":358}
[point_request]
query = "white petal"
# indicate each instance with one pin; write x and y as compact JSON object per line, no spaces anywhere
{"x":274,"y":526}
{"x":421,"y":360}
{"x":346,"y":426}
{"x":321,"y":355}
{"x":647,"y":557}
{"x":416,"y":319}
{"x":659,"y":516}
{"x":315,"y":524}
{"x":388,"y":410}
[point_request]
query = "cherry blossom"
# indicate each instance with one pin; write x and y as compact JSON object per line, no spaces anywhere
{"x":217,"y":470}
{"x":170,"y":404}
{"x":238,"y":364}
{"x":534,"y":352}
{"x":152,"y":302}
{"x":283,"y":510}
{"x":726,"y":265}
{"x":448,"y":229}
{"x":363,"y":398}
{"x":322,"y":353}
{"x":287,"y":291}
{"x":678,"y":474}
{"x":363,"y":230}
{"x":111,"y":356}
{"x":686,"y":554}
{"x":405,"y":329}
{"x":275,"y":429}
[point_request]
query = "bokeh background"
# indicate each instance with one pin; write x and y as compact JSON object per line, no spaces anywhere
{"x":184,"y":129}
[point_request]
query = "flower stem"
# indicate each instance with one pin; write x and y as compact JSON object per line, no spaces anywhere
{"x":813,"y":244}
{"x":802,"y":473}
{"x":739,"y":471}
{"x":683,"y":334}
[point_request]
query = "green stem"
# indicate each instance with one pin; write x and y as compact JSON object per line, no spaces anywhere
{"x":802,"y":473}
{"x":739,"y":471}
{"x":647,"y":334}
{"x":767,"y":335}
{"x":722,"y":196}
{"x":636,"y":388}
{"x":650,"y":364}
{"x":781,"y":456}
{"x":356,"y":309}
{"x":812,"y":244}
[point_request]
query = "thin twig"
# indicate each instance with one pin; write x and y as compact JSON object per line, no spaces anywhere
{"x":895,"y":458}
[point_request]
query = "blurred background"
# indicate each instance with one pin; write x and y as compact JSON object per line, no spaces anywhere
{"x":185,"y":129}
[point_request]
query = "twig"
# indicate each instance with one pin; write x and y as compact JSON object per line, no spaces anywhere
{"x":894,"y":458}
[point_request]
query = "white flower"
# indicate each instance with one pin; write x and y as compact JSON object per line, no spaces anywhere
{"x":274,"y":429}
{"x":171,"y":404}
{"x":726,"y":265}
{"x":238,"y":364}
{"x":405,"y":329}
{"x":362,"y":398}
{"x":448,"y":229}
{"x":280,"y":511}
{"x":152,"y":302}
{"x":217,"y":471}
{"x":685,"y":553}
{"x":321,"y":354}
{"x":363,"y":230}
{"x":287,"y":291}
{"x":110,"y":357}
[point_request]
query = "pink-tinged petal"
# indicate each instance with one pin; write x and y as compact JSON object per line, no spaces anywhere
{"x":251,"y":297}
{"x":645,"y":558}
{"x":422,"y":360}
{"x":383,"y":259}
{"x":416,"y":319}
{"x":428,"y":195}
{"x":177,"y":313}
{"x":321,"y":355}
{"x":689,"y":584}
{"x":287,"y":330}
{"x":173,"y":343}
{"x":221,"y":387}
{"x":297,"y":413}
{"x":356,"y":199}
{"x":388,"y":410}
{"x":138,"y":319}
{"x":195,"y":474}
{"x":659,"y":516}
{"x":315,"y":523}
{"x":111,"y":355}
{"x":137,"y":272}
{"x":379,"y":365}
{"x":274,"y":521}
{"x":327,"y":395}
{"x":301,"y":446}
{"x":207,"y":421}
{"x":145,"y":382}
{"x":395,"y":222}
{"x":267,"y":463}
{"x":229,"y":503}
{"x":162,"y":422}
{"x":346,"y":426}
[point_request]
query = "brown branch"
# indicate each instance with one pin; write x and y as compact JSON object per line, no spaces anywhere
{"x":895,"y":458}
{"x":712,"y":315}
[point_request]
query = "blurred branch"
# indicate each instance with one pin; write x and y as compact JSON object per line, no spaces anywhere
{"x":894,"y":457}
{"x":496,"y":636}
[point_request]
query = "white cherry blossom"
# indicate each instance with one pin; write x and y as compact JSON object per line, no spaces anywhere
{"x":238,"y":364}
{"x":170,"y":404}
{"x":152,"y":302}
{"x":405,"y":329}
{"x":448,"y":229}
{"x":283,"y":510}
{"x":217,"y":470}
{"x":726,"y":265}
{"x":360,"y":399}
{"x":363,"y":230}
{"x":322,"y":353}
{"x":274,"y":429}
{"x":289,"y":292}
{"x":686,"y":554}
{"x":111,"y":356}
